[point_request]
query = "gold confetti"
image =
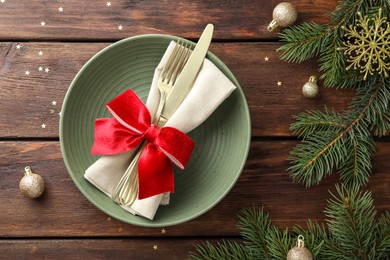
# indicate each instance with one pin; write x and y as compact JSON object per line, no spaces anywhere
{"x":120,"y":229}
{"x":40,"y":69}
{"x":109,"y":219}
{"x":163,"y":231}
{"x":279,"y":83}
{"x":120,"y":27}
{"x":60,"y":9}
{"x":155,"y":247}
{"x":266,"y":58}
{"x":40,"y":53}
{"x":108,"y":4}
{"x":43,"y":23}
{"x":54,"y":102}
{"x":43,"y":126}
{"x":27,"y":72}
{"x":52,"y":111}
{"x":47,"y":70}
{"x":18,"y":46}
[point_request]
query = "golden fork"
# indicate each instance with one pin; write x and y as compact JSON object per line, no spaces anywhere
{"x":126,"y":191}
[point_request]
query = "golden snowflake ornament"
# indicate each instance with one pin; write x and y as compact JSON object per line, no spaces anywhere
{"x":368,"y":45}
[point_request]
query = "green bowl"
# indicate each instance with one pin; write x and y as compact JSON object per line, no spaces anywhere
{"x":221,"y":142}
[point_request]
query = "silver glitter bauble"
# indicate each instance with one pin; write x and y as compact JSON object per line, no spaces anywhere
{"x":284,"y":15}
{"x":31,"y":185}
{"x":311,"y":89}
{"x":299,"y":252}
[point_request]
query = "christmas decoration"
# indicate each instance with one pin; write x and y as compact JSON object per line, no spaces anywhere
{"x":31,"y":185}
{"x":310,"y":89}
{"x":353,"y":231}
{"x":353,"y":53}
{"x":130,"y":125}
{"x":368,"y":45}
{"x":284,"y":15}
{"x":299,"y":252}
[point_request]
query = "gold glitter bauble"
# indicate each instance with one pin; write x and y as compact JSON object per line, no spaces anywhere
{"x":299,"y":253}
{"x":284,"y":15}
{"x":31,"y":185}
{"x":311,"y":89}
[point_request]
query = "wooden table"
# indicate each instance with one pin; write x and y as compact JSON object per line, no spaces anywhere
{"x":45,"y":43}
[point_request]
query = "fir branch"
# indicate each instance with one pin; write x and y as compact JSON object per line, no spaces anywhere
{"x":346,"y":10}
{"x":382,"y":229}
{"x":332,"y":62}
{"x":303,"y":41}
{"x":314,"y":121}
{"x":352,"y":231}
{"x":348,"y":148}
{"x":254,"y":226}
{"x":352,"y":221}
{"x":224,"y":250}
{"x":315,"y":237}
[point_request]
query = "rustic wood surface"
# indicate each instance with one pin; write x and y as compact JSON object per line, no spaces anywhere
{"x":63,"y":222}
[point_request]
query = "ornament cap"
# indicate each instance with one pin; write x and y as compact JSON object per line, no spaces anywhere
{"x":272,"y":26}
{"x":313,"y":78}
{"x":301,"y":241}
{"x":27,"y":170}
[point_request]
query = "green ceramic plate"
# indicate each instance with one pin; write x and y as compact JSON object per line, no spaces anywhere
{"x":222,"y":142}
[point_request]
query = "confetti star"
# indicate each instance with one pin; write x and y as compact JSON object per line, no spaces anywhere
{"x":155,"y":247}
{"x":18,"y":46}
{"x":40,"y":69}
{"x":109,"y":219}
{"x":120,"y":229}
{"x":60,"y":9}
{"x":54,"y":102}
{"x":27,"y":72}
{"x":2,"y":1}
{"x":120,"y":27}
{"x":163,"y":231}
{"x":279,"y":83}
{"x":52,"y":111}
{"x":43,"y":23}
{"x":43,"y":126}
{"x":108,"y":4}
{"x":266,"y":58}
{"x":47,"y":70}
{"x":40,"y":53}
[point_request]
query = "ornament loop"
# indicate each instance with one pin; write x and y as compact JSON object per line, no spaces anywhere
{"x":27,"y":170}
{"x":313,"y":79}
{"x":301,"y":241}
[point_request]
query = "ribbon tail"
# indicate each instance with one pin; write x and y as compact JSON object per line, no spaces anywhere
{"x":155,"y":173}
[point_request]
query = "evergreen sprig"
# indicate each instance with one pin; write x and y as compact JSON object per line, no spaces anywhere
{"x":330,"y":140}
{"x":351,"y":231}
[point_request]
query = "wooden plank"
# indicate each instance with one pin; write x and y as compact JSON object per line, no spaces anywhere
{"x":27,"y":99}
{"x":64,"y":212}
{"x":156,"y":248}
{"x":87,"y":20}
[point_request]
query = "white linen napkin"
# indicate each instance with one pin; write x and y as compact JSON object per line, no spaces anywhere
{"x":210,"y":89}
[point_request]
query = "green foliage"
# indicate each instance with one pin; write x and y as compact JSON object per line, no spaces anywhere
{"x":338,"y":141}
{"x":352,"y":231}
{"x":303,"y":41}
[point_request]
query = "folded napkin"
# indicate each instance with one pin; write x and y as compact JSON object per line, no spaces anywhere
{"x":210,"y":89}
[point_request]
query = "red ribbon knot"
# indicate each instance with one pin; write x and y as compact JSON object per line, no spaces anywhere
{"x":151,"y":134}
{"x":131,"y":123}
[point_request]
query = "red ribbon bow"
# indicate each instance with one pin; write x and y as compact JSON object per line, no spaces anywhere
{"x":130,"y":125}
